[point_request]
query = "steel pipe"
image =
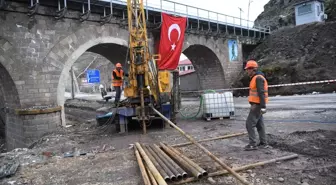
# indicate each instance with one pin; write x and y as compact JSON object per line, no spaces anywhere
{"x":151,"y":176}
{"x":211,"y":139}
{"x":182,"y":162}
{"x":150,"y":165}
{"x":249,"y":166}
{"x":161,"y":163}
{"x":172,"y":163}
{"x":236,"y":175}
{"x":165,"y":161}
{"x":142,"y":167}
{"x":157,"y":165}
{"x":192,"y":163}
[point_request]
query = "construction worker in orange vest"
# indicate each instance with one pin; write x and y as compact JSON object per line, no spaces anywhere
{"x":258,"y":97}
{"x":117,"y":81}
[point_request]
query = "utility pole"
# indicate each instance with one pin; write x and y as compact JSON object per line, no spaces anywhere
{"x":248,"y":13}
{"x":241,"y":10}
{"x":72,"y":84}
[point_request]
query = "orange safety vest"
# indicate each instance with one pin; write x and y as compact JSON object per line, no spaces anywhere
{"x":253,"y":96}
{"x":115,"y":82}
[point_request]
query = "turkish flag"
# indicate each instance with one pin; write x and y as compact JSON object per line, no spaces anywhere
{"x":171,"y":42}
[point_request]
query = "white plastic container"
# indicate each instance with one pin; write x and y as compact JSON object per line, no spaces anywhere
{"x":218,"y":105}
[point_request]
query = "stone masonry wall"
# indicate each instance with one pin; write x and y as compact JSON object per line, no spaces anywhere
{"x":14,"y":132}
{"x":38,"y":51}
{"x":211,"y":60}
{"x":22,"y":131}
{"x":35,"y":126}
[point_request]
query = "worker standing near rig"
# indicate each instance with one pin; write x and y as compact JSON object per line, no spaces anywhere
{"x":117,"y":81}
{"x":258,"y":98}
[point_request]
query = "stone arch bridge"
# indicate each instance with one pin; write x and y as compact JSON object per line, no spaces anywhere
{"x":37,"y":52}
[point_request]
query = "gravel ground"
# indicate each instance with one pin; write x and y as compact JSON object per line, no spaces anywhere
{"x":110,"y":158}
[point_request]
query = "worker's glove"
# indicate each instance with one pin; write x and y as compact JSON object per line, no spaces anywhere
{"x":263,"y":110}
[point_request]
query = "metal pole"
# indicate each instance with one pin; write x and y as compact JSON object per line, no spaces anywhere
{"x":151,"y":176}
{"x":72,"y":84}
{"x":211,"y":139}
{"x":240,"y":11}
{"x":161,"y":163}
{"x":111,"y":8}
{"x":182,"y":162}
{"x":151,"y":166}
{"x":156,"y":164}
{"x":160,"y":9}
{"x":192,"y":163}
{"x":171,"y":162}
{"x":147,"y":10}
{"x":236,"y":175}
{"x":249,"y":166}
{"x":226,"y":28}
{"x":198,"y":19}
{"x":217,"y":23}
{"x":142,"y":167}
{"x":165,"y":161}
{"x":187,"y":17}
{"x":175,"y":9}
{"x":248,"y":13}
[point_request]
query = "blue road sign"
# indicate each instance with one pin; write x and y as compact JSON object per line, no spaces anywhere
{"x":93,"y":76}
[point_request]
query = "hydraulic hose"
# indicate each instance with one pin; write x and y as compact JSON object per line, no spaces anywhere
{"x":184,"y":116}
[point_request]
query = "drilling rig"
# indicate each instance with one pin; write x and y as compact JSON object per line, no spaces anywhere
{"x":146,"y":85}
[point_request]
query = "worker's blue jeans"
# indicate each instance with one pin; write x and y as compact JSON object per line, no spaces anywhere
{"x":118,"y":94}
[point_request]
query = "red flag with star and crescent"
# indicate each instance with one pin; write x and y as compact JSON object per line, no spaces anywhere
{"x":171,"y":41}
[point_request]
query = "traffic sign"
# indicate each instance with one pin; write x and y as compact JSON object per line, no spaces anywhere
{"x":93,"y":76}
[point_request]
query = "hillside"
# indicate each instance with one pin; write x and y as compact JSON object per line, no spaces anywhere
{"x":280,"y":13}
{"x":299,"y":54}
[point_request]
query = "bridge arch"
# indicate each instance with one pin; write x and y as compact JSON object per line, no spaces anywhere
{"x":92,"y":45}
{"x":107,"y":40}
{"x":210,"y":73}
{"x":9,"y":100}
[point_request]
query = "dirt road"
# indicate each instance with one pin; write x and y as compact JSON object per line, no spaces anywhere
{"x":305,"y":125}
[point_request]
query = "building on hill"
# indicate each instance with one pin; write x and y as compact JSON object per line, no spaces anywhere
{"x":309,"y":11}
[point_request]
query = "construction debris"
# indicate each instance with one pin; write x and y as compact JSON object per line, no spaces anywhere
{"x":9,"y":169}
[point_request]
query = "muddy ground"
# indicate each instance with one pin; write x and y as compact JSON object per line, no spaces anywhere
{"x":310,"y":133}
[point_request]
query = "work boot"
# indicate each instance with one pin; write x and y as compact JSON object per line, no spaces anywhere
{"x":264,"y":146}
{"x":250,"y":147}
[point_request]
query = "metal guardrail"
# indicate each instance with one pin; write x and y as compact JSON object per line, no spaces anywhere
{"x":188,"y":11}
{"x":196,"y":14}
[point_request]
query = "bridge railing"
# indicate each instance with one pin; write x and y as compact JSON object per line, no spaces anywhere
{"x":188,"y":11}
{"x":199,"y":14}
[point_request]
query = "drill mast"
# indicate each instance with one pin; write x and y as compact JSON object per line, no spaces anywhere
{"x":142,"y":69}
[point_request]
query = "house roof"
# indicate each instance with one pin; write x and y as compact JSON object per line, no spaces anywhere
{"x":307,"y":1}
{"x":185,"y":62}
